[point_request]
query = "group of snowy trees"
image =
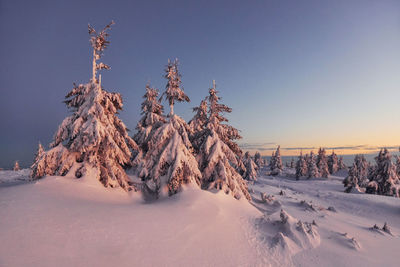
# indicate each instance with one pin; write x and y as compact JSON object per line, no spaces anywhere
{"x":166,"y":152}
{"x":383,"y":178}
{"x":319,"y":165}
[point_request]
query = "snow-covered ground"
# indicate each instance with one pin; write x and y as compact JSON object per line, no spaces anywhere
{"x":61,"y":221}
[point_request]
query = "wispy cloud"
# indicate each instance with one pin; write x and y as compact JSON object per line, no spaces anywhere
{"x":271,"y":146}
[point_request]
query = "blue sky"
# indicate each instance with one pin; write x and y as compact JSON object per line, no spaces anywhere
{"x":296,"y":73}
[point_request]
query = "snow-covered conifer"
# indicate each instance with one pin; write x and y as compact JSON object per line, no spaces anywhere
{"x":251,"y":168}
{"x":38,"y":167}
{"x":385,"y":174}
{"x":276,"y":165}
{"x":218,"y":154}
{"x":92,"y":136}
{"x":197,"y":124}
{"x":301,"y":167}
{"x":352,"y":180}
{"x":258,"y":160}
{"x":152,"y":117}
{"x":16,"y":166}
{"x":341,"y":165}
{"x":333,"y":163}
{"x":169,"y":162}
{"x":312,"y":169}
{"x":362,"y":170}
{"x":292,"y":164}
{"x":322,"y":163}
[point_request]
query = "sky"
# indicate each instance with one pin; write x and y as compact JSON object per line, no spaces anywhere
{"x":301,"y":74}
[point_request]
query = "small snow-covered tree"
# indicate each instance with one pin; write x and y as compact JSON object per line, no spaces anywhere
{"x":385,"y":175}
{"x":301,"y":167}
{"x":38,"y":167}
{"x":292,"y":164}
{"x":333,"y":163}
{"x":16,"y":166}
{"x":152,"y":117}
{"x":169,"y":162}
{"x":92,"y":136}
{"x":258,"y":160}
{"x":362,"y":166}
{"x":312,"y":169}
{"x":397,"y":163}
{"x":322,"y":163}
{"x":276,"y":165}
{"x":218,"y":154}
{"x":341,"y":165}
{"x":352,"y":180}
{"x":251,"y":168}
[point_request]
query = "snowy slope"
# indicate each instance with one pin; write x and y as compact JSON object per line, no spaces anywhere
{"x":60,"y":221}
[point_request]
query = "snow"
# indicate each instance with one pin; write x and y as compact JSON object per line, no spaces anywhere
{"x":62,"y":221}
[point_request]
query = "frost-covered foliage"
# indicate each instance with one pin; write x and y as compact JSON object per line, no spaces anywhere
{"x":16,"y":166}
{"x":92,"y":136}
{"x":341,"y":165}
{"x":322,"y":163}
{"x":219,"y":155}
{"x":38,"y":167}
{"x":333,"y":163}
{"x":152,"y":118}
{"x":197,"y":124}
{"x":358,"y":174}
{"x":258,"y":160}
{"x":385,"y":180}
{"x":301,"y":167}
{"x":173,"y":91}
{"x":312,"y":168}
{"x":169,"y":162}
{"x":276,"y":165}
{"x":251,"y":168}
{"x":99,"y":43}
{"x":397,"y":163}
{"x":292,"y":164}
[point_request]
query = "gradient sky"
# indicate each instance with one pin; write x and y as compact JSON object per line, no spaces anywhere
{"x":301,"y":74}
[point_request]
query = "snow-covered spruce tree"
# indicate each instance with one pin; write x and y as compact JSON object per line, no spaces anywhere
{"x":276,"y":165}
{"x":341,"y":165}
{"x":197,"y":124}
{"x":322,"y":163}
{"x":92,"y":136}
{"x":16,"y":166}
{"x":301,"y":167}
{"x":258,"y":160}
{"x":251,"y":168}
{"x":397,"y":163}
{"x":333,"y":163}
{"x":362,"y":170}
{"x":292,"y":164}
{"x":169,"y":162}
{"x":351,"y":181}
{"x":312,"y":169}
{"x":385,"y":175}
{"x":218,"y":154}
{"x":38,"y":167}
{"x":152,"y":118}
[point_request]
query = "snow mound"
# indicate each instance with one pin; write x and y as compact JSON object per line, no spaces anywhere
{"x":8,"y":176}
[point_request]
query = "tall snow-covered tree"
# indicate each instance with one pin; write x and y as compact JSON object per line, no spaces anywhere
{"x":385,"y":175}
{"x":92,"y":136}
{"x":312,"y":169}
{"x":276,"y":165}
{"x":251,"y":168}
{"x":292,"y":164}
{"x":301,"y":167}
{"x":322,"y":163}
{"x":352,"y":180}
{"x":16,"y":166}
{"x":169,"y":162}
{"x":38,"y":167}
{"x":218,"y":154}
{"x":152,"y":117}
{"x":333,"y":163}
